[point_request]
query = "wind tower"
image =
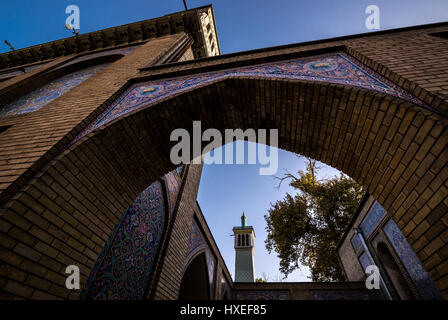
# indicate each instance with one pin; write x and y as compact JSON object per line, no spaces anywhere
{"x":244,"y":252}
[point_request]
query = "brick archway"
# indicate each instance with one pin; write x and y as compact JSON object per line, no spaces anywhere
{"x":395,"y":149}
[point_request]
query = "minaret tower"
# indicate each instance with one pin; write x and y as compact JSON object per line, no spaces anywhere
{"x":244,"y":252}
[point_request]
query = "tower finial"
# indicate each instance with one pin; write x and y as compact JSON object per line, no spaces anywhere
{"x":243,"y":220}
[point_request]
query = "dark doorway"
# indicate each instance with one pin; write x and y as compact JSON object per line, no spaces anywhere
{"x":195,"y":284}
{"x":390,"y":266}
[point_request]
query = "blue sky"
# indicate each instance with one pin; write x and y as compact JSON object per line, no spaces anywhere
{"x":241,"y":24}
{"x":227,"y":190}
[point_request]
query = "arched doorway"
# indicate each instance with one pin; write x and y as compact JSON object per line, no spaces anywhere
{"x":195,"y":284}
{"x":395,"y":275}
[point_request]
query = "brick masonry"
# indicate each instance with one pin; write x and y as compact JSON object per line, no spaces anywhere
{"x":57,"y":223}
{"x":58,"y":206}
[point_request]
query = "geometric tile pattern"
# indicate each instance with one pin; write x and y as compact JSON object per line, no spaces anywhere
{"x":419,"y":276}
{"x":339,"y":295}
{"x":123,"y":267}
{"x":40,"y":97}
{"x":372,"y":219}
{"x":262,"y":295}
{"x":338,"y":68}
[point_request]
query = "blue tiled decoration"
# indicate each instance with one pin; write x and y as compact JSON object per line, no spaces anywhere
{"x":339,"y":295}
{"x":197,"y":244}
{"x":419,"y":276}
{"x":262,"y":295}
{"x":356,"y":242}
{"x":123,"y":267}
{"x":47,"y":93}
{"x":372,"y":219}
{"x":365,"y":261}
{"x":338,"y":68}
{"x":180,"y":170}
{"x":211,"y":268}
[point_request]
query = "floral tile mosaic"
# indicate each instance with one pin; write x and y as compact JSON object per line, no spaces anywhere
{"x":338,"y":68}
{"x":123,"y":267}
{"x":419,"y":276}
{"x":42,"y":96}
{"x":339,"y":295}
{"x":262,"y":295}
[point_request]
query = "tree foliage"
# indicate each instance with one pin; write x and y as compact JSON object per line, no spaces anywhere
{"x":305,"y":228}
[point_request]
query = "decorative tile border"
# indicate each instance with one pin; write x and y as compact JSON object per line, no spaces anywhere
{"x":211,"y":262}
{"x":356,"y":242}
{"x":262,"y":295}
{"x":196,"y":244}
{"x":40,"y":97}
{"x":180,"y":170}
{"x":339,"y":295}
{"x":419,"y":276}
{"x":373,"y":218}
{"x":225,"y":288}
{"x":338,"y":68}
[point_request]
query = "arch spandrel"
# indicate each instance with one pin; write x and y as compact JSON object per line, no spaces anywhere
{"x":336,"y":68}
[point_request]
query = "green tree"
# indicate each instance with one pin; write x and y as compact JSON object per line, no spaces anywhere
{"x":305,"y":228}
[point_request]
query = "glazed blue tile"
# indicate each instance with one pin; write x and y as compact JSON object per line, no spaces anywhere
{"x":420,"y":277}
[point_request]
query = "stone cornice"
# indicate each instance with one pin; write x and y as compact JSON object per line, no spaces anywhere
{"x":190,"y":22}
